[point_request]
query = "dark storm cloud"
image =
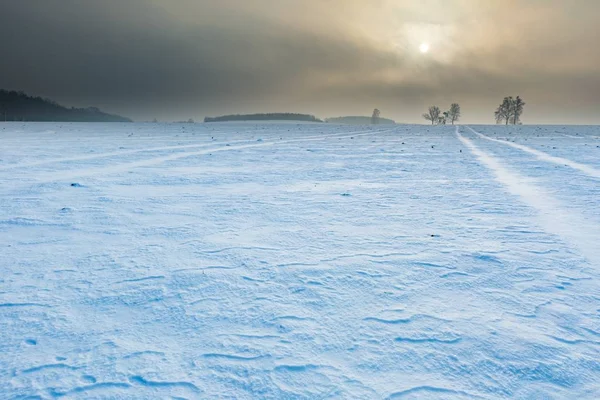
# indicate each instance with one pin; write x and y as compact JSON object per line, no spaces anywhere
{"x":182,"y":58}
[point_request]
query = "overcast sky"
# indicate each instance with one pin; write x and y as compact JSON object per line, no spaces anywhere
{"x":176,"y":59}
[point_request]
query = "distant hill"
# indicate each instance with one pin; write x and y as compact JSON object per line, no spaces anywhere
{"x":353,"y":120}
{"x":264,"y":117}
{"x":18,"y":106}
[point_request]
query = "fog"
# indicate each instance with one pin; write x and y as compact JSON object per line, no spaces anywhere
{"x":187,"y":59}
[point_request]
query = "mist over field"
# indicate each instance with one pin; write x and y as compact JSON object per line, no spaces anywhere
{"x":175,"y":60}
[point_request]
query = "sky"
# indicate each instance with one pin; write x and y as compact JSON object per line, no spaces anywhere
{"x":180,"y":59}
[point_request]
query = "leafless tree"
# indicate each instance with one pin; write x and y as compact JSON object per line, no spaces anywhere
{"x":454,"y":113}
{"x":504,"y":110}
{"x":375,"y":116}
{"x":499,"y":115}
{"x":517,"y":109}
{"x":433,"y":115}
{"x":510,"y":110}
{"x":443,"y":119}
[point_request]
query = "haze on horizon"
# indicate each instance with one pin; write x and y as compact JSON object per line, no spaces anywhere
{"x":180,"y":59}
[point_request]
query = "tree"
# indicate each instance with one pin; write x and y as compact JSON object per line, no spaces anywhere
{"x":454,"y":112}
{"x":504,"y":110}
{"x":433,"y":114}
{"x":517,"y":109}
{"x":510,"y":110}
{"x":375,"y":117}
{"x":444,"y":118}
{"x":499,"y":115}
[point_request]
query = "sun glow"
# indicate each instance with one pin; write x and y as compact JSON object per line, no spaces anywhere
{"x":424,"y":48}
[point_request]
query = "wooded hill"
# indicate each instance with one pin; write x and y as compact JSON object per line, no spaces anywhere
{"x":18,"y":106}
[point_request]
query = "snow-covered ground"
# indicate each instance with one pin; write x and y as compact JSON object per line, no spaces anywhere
{"x":299,"y":261}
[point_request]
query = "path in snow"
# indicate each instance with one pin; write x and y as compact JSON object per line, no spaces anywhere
{"x":53,"y":177}
{"x":555,"y":218}
{"x":591,"y":171}
{"x":161,"y":148}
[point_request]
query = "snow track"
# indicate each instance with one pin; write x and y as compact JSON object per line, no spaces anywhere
{"x":586,"y":169}
{"x":108,"y":154}
{"x":161,"y":148}
{"x":553,"y":216}
{"x":53,"y":177}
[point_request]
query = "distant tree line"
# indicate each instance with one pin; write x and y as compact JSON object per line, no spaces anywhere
{"x":18,"y":106}
{"x":510,"y":110}
{"x":437,"y":117}
{"x":264,"y":117}
{"x":359,"y":120}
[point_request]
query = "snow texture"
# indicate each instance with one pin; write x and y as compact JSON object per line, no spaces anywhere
{"x":299,"y":261}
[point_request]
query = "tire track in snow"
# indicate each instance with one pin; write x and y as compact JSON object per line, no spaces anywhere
{"x":125,"y":152}
{"x":586,"y":169}
{"x":108,"y":154}
{"x":573,"y":228}
{"x":53,"y":177}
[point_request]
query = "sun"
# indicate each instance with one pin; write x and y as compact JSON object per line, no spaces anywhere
{"x":424,"y":48}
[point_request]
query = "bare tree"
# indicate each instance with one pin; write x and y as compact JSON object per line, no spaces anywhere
{"x":375,"y":116}
{"x":517,"y":109}
{"x":510,"y":110}
{"x":433,"y":115}
{"x":504,"y":110}
{"x":454,"y":112}
{"x":499,"y":115}
{"x":443,"y":119}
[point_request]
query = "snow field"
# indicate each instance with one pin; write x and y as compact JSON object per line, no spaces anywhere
{"x":291,"y":261}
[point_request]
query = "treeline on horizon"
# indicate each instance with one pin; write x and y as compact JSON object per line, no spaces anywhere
{"x":264,"y":117}
{"x":18,"y":106}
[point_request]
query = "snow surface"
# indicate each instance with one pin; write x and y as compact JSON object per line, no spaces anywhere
{"x":299,"y":261}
